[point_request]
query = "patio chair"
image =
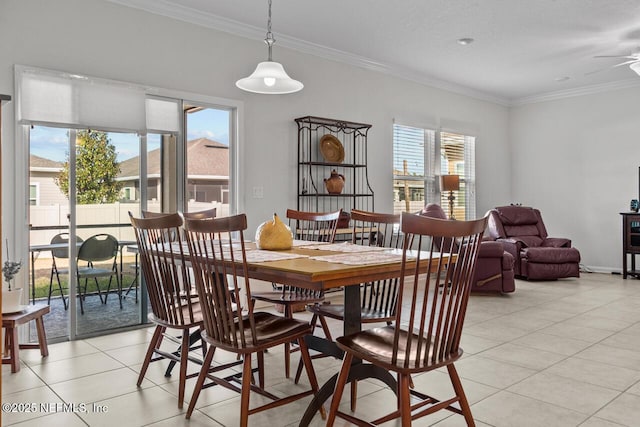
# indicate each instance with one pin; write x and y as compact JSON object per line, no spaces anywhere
{"x":310,"y":226}
{"x":428,"y":325}
{"x":59,"y":253}
{"x":216,"y":268}
{"x":100,"y":248}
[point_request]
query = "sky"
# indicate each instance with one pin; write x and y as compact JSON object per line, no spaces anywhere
{"x":53,"y":143}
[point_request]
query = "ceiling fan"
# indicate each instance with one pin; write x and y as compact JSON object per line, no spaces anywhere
{"x":633,"y":60}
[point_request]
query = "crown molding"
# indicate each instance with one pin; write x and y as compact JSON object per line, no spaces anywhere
{"x":168,"y":9}
{"x":578,"y":91}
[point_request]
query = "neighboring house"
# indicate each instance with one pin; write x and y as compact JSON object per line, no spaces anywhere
{"x":43,"y":190}
{"x":207,"y":173}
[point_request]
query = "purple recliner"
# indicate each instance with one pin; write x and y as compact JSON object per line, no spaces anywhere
{"x":494,"y":270}
{"x":538,"y":257}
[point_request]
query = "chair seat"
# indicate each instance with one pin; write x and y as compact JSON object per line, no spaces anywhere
{"x":186,"y":322}
{"x":95,"y":272}
{"x":271,"y":330}
{"x":288,"y":298}
{"x":551,"y":255}
{"x":377,"y":345}
{"x":336,"y":311}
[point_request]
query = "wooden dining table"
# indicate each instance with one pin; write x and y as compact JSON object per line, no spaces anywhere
{"x":316,"y":274}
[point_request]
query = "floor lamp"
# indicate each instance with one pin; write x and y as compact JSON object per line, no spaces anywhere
{"x":451,"y":183}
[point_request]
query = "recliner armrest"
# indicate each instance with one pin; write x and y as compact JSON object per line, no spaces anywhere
{"x":513,"y":245}
{"x":490,"y":249}
{"x":513,"y":241}
{"x":556,"y":242}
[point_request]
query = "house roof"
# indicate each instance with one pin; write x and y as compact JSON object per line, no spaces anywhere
{"x":205,"y":158}
{"x":40,"y":163}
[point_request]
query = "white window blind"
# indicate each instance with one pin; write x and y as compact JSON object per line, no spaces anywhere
{"x":58,"y":99}
{"x":408,"y":152}
{"x":413,"y":167}
{"x":162,"y":115}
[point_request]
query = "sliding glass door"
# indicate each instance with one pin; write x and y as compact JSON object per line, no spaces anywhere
{"x":97,"y":150}
{"x":83,"y":184}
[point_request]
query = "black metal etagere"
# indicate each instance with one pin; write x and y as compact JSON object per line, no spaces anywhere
{"x":314,"y":168}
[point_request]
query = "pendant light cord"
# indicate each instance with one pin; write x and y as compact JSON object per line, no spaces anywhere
{"x":269,"y":40}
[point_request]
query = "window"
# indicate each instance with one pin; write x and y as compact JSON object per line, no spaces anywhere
{"x":34,"y":194}
{"x":420,"y":157}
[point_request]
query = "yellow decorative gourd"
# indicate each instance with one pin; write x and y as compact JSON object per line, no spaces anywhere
{"x":274,"y":235}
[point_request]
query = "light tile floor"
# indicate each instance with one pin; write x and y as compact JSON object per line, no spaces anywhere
{"x":563,"y":353}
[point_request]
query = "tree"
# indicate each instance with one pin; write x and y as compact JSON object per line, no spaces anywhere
{"x":96,"y":169}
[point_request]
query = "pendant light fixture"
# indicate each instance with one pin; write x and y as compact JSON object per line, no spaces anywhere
{"x":269,"y":76}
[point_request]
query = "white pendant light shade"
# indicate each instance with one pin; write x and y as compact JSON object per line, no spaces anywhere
{"x":635,"y":67}
{"x":269,"y":77}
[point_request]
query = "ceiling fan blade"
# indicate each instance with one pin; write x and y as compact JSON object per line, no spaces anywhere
{"x":613,"y":66}
{"x":626,"y":62}
{"x":616,"y":56}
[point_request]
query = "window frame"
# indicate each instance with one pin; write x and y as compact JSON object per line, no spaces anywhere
{"x":433,"y":168}
{"x":36,"y":199}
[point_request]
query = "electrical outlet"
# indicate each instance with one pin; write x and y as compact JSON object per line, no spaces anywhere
{"x":258,"y":192}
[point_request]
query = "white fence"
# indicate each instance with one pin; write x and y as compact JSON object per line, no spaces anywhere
{"x":112,"y":218}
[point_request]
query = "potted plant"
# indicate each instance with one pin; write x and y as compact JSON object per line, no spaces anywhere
{"x":11,"y":298}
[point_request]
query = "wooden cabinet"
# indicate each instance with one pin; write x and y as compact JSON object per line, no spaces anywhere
{"x":630,"y":242}
{"x":325,"y":146}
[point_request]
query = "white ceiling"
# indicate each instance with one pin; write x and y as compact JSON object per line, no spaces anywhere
{"x":521,"y":47}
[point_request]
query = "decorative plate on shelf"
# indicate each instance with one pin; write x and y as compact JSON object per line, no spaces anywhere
{"x":331,"y":149}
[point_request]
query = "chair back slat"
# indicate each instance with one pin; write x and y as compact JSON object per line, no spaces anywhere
{"x":217,"y":252}
{"x":429,"y":327}
{"x":165,"y":269}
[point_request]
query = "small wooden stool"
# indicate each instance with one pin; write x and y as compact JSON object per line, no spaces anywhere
{"x":10,"y":323}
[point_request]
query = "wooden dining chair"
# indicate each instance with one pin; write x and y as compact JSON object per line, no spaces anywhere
{"x":426,"y":331}
{"x":173,"y":299}
{"x":204,"y":214}
{"x":194,"y":336}
{"x":217,"y":254}
{"x":378,"y":299}
{"x":309,"y":226}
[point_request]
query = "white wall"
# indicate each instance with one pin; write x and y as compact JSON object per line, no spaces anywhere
{"x":107,"y":40}
{"x":577,"y":160}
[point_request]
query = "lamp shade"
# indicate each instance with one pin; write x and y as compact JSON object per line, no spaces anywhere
{"x":269,"y":77}
{"x":450,"y":182}
{"x":635,"y":67}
